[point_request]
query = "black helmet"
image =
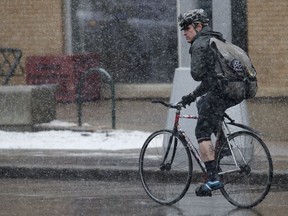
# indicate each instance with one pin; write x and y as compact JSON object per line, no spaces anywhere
{"x":193,"y":17}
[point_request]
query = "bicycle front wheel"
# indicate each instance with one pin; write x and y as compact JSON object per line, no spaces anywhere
{"x":165,"y":167}
{"x":248,"y":184}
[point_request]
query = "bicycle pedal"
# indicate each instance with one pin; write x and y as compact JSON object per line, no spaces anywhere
{"x":202,"y":193}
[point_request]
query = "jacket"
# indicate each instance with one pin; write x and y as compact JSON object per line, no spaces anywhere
{"x":203,"y":62}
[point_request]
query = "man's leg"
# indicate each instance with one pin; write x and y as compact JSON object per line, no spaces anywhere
{"x":213,"y":182}
{"x":208,"y":119}
{"x":207,"y":150}
{"x":207,"y":153}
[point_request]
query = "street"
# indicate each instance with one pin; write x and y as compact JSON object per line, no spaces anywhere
{"x":54,"y":197}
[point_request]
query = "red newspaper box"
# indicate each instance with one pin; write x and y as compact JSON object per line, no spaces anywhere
{"x":66,"y":71}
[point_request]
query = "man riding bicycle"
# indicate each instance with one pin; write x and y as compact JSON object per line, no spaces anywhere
{"x":213,"y":103}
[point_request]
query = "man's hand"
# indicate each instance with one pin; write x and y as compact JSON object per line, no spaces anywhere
{"x":188,"y":99}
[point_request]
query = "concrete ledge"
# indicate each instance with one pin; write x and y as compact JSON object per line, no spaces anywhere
{"x":24,"y":106}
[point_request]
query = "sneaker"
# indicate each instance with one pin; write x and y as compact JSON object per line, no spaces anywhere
{"x":205,"y":189}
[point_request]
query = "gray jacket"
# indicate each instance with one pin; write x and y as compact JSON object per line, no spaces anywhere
{"x":203,"y":62}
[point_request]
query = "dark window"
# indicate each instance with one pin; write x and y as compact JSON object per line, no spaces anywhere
{"x":206,"y":5}
{"x":239,"y":23}
{"x":238,"y":19}
{"x":136,"y":39}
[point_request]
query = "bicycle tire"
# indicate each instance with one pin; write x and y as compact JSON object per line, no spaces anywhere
{"x":248,"y":188}
{"x":165,"y":186}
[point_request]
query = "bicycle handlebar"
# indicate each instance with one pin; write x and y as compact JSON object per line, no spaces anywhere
{"x":179,"y":106}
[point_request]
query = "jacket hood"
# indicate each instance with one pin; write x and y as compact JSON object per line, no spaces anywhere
{"x":207,"y":31}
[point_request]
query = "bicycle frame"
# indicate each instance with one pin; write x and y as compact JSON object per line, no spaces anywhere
{"x":225,"y":131}
{"x":193,"y":150}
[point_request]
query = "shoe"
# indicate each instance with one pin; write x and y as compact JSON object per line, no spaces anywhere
{"x":205,"y":189}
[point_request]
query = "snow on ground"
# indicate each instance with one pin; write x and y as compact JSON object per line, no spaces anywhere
{"x":113,"y":140}
{"x":66,"y":139}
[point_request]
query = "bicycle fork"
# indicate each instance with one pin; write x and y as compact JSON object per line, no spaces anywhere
{"x":167,"y":165}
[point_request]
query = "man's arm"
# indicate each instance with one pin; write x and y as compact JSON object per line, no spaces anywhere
{"x":202,"y":69}
{"x":198,"y":62}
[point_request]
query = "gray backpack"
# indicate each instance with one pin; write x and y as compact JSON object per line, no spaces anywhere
{"x":234,"y":70}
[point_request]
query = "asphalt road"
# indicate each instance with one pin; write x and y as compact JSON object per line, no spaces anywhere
{"x":53,"y":197}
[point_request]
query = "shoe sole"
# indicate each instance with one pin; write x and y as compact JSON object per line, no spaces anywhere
{"x":207,"y":193}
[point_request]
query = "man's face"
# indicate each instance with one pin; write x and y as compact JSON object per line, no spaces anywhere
{"x":189,"y":32}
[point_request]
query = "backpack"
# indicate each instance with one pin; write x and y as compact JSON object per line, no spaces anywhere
{"x":234,"y":70}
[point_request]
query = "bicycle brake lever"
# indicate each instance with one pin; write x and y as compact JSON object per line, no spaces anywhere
{"x":161,"y":102}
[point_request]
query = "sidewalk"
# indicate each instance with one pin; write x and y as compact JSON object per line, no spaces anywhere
{"x":122,"y":165}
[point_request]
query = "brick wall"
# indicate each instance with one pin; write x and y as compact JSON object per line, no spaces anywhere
{"x":268,"y":46}
{"x":34,"y":26}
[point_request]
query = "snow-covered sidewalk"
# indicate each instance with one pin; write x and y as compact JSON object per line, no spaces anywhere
{"x":66,"y":139}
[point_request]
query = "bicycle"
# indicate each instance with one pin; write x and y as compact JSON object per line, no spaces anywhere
{"x":244,"y":163}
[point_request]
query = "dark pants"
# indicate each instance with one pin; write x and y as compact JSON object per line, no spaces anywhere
{"x":211,"y":108}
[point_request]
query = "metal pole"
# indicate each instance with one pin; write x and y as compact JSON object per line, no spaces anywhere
{"x":112,"y":87}
{"x":113,"y":105}
{"x":79,"y":93}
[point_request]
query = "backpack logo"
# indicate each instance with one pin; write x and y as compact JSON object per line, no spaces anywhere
{"x":236,"y":65}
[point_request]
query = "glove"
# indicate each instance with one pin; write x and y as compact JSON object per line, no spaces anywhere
{"x":188,"y":99}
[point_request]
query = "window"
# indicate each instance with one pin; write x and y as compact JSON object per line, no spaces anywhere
{"x":136,"y":39}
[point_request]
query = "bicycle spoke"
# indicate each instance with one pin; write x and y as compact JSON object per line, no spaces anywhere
{"x":250,"y":185}
{"x":165,"y":167}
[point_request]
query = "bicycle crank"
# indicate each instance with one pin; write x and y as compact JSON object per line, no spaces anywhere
{"x":245,"y":169}
{"x":166,"y":167}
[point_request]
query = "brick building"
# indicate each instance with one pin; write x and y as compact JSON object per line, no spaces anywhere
{"x":34,"y":26}
{"x":268,"y":47}
{"x":37,"y":27}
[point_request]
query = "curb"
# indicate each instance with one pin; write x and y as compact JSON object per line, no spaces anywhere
{"x":105,"y":174}
{"x":70,"y":173}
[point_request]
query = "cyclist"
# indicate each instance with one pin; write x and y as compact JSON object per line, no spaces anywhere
{"x":213,"y":101}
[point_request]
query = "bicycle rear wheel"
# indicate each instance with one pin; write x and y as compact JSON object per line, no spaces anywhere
{"x":247,"y":187}
{"x":165,"y":167}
